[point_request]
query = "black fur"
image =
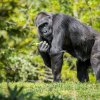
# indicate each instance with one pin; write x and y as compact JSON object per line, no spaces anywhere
{"x":65,"y":33}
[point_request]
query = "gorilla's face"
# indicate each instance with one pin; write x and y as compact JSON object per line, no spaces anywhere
{"x":44,"y":25}
{"x":44,"y":29}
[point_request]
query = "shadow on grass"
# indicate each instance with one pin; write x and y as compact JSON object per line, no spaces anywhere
{"x":53,"y":97}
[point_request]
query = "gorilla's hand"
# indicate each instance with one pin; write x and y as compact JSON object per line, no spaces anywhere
{"x":44,"y":46}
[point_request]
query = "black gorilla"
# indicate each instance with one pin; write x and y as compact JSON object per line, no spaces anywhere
{"x":59,"y":33}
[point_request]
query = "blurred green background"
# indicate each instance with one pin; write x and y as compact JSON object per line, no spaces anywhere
{"x":19,"y":59}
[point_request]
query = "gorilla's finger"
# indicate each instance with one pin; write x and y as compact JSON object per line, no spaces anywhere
{"x":43,"y":45}
{"x":40,"y":44}
{"x":47,"y":48}
{"x":46,"y":45}
{"x":44,"y":49}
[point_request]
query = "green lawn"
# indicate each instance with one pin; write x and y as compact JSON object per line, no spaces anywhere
{"x":57,"y":91}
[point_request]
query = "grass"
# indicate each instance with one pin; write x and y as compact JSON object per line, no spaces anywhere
{"x":57,"y":91}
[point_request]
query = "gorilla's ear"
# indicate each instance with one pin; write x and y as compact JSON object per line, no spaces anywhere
{"x":41,"y":15}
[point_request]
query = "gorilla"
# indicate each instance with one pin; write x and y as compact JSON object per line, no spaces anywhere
{"x":59,"y":33}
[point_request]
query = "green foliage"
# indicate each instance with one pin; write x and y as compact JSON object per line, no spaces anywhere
{"x":16,"y":94}
{"x":20,"y":66}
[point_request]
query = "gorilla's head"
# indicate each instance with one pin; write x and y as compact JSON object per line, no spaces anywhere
{"x":43,"y":21}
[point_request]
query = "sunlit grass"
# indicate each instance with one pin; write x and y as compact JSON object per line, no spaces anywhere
{"x":62,"y":91}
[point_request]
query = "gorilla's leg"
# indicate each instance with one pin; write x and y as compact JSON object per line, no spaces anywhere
{"x":95,"y":58}
{"x":82,"y":70}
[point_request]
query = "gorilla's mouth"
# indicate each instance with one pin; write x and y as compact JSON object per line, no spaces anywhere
{"x":44,"y":29}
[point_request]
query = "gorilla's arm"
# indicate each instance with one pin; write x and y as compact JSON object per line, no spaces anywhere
{"x":44,"y":49}
{"x":56,"y":51}
{"x":46,"y":58}
{"x":95,"y":58}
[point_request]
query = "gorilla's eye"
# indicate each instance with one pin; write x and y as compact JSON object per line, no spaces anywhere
{"x":43,"y":28}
